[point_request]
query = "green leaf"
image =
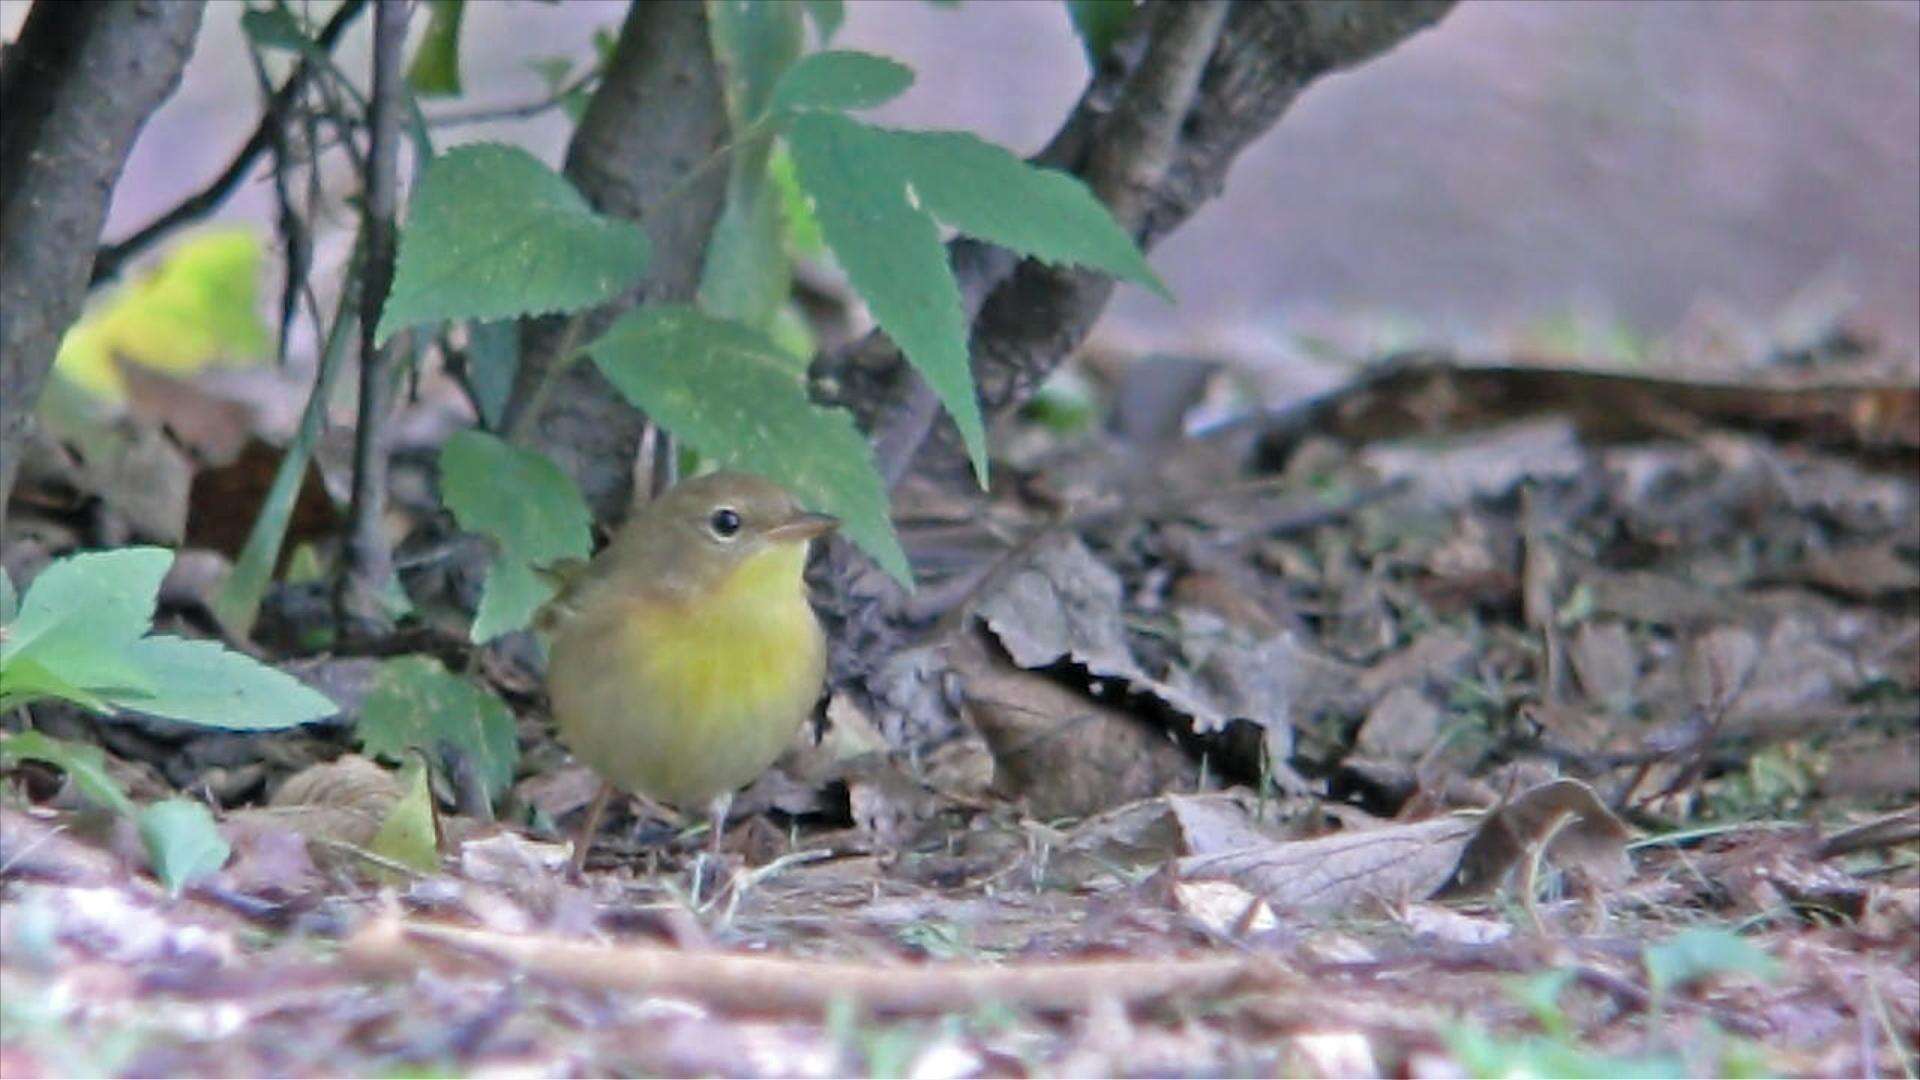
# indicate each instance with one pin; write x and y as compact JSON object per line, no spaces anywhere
{"x":1703,"y":951}
{"x":529,"y":507}
{"x":493,"y":357}
{"x":986,"y":192}
{"x":748,"y":274}
{"x":893,"y":255}
{"x":416,"y":704}
{"x":202,"y":682}
{"x":182,"y":842}
{"x":435,"y":70}
{"x":494,"y":234}
{"x":733,"y":395}
{"x":77,"y":621}
{"x":1099,"y":24}
{"x":840,"y":79}
{"x":79,"y":637}
{"x":509,"y":597}
{"x":827,"y":15}
{"x":9,"y":600}
{"x":276,"y":28}
{"x":84,"y":764}
{"x":408,"y":836}
{"x":796,"y":210}
{"x":519,"y":497}
{"x":24,"y":680}
{"x":754,"y":42}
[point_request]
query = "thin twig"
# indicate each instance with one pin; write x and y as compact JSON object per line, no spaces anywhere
{"x":108,"y":260}
{"x":367,"y":567}
{"x":522,"y":111}
{"x":774,"y":984}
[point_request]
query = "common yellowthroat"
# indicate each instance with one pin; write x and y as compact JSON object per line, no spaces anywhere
{"x":685,"y":655}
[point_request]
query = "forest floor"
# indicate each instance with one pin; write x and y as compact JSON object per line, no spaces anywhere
{"x":1471,"y":720}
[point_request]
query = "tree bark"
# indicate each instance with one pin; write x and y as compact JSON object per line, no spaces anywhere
{"x":79,"y":84}
{"x":657,"y":117}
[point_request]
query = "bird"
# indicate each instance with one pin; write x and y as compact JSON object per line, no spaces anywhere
{"x":685,"y":655}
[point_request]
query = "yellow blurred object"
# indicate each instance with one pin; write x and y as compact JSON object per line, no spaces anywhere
{"x":198,"y":307}
{"x":685,"y":655}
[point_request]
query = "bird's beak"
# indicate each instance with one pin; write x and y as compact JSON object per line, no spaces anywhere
{"x":803,"y":526}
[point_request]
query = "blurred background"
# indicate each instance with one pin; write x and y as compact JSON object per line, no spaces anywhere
{"x":1682,"y":183}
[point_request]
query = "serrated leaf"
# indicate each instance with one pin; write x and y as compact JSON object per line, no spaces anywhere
{"x":529,"y":507}
{"x":827,"y":15}
{"x":508,"y":599}
{"x":84,"y":764}
{"x":202,"y":682}
{"x":415,"y":703}
{"x":986,"y":192}
{"x":891,"y":251}
{"x":1098,"y":23}
{"x":182,"y":842}
{"x":494,"y":234}
{"x":733,"y":394}
{"x":840,"y":79}
{"x":493,"y":357}
{"x":86,"y":601}
{"x":754,"y":43}
{"x":407,"y":836}
{"x":519,"y":497}
{"x":747,"y":274}
{"x":436,"y":63}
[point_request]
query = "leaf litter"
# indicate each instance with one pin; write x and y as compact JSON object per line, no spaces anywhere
{"x":1467,"y":720}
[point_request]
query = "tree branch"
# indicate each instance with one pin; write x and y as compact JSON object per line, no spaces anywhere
{"x":656,"y":118}
{"x":109,"y":259}
{"x":79,"y":84}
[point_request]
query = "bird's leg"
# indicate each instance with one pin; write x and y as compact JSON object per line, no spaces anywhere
{"x":717,"y":826}
{"x":577,"y":868}
{"x":717,"y":813}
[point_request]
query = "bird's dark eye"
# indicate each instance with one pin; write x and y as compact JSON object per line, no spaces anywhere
{"x":725,"y":522}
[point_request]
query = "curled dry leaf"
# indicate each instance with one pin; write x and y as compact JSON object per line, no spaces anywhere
{"x":1065,"y":605}
{"x":1064,"y":753}
{"x":337,"y":807}
{"x":1581,"y":835}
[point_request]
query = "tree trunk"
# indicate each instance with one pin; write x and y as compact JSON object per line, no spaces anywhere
{"x":79,"y":84}
{"x":657,"y":116}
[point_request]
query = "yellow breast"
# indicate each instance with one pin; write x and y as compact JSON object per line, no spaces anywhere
{"x":684,"y":702}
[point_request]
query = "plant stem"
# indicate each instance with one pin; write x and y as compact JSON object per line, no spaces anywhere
{"x":367,"y":563}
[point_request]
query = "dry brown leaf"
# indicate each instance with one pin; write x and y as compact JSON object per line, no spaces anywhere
{"x":1581,"y":834}
{"x":1064,"y":753}
{"x":337,"y":807}
{"x":1391,"y":864}
{"x":1457,"y":854}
